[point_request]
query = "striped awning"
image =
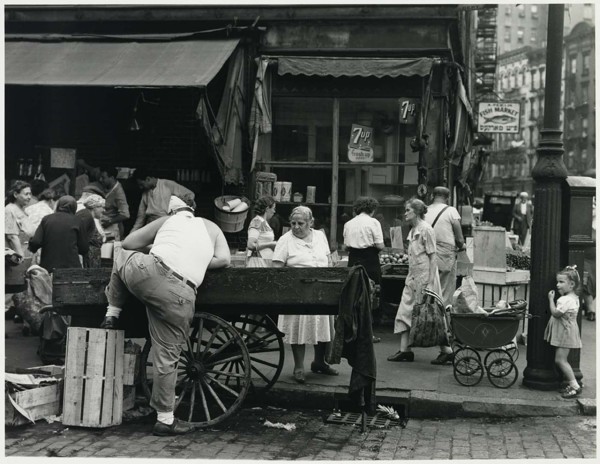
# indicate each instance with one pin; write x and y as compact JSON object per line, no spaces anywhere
{"x":353,"y":66}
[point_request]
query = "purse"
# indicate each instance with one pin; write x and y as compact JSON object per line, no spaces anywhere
{"x":256,"y":260}
{"x":428,"y":325}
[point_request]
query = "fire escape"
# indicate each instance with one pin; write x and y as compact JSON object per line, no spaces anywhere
{"x":485,"y":51}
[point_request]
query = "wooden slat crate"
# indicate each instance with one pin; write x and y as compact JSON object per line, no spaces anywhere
{"x":39,"y":402}
{"x":93,"y":395}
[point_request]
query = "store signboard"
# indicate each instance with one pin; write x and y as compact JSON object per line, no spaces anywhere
{"x":62,"y":158}
{"x":360,"y":148}
{"x":408,"y":110}
{"x":498,"y":117}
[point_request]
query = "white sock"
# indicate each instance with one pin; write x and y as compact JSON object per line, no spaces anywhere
{"x":445,"y":350}
{"x":113,"y":311}
{"x":165,"y":417}
{"x":574,"y":384}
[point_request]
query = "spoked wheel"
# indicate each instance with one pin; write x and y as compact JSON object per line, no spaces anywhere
{"x":265,"y":345}
{"x":213,"y":373}
{"x":513,"y":350}
{"x":463,"y":352}
{"x":501,"y":370}
{"x":468,"y":371}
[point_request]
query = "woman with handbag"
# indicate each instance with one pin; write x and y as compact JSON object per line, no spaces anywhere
{"x":261,"y":238}
{"x":422,"y":274}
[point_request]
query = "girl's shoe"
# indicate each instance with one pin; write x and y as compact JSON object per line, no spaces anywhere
{"x":566,"y":387}
{"x":324,"y":369}
{"x":299,"y":376}
{"x":571,"y":392}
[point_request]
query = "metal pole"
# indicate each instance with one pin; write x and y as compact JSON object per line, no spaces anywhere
{"x":548,"y":174}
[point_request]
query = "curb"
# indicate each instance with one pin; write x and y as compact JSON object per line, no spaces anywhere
{"x":427,"y":404}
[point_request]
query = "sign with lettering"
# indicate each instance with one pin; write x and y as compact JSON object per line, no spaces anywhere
{"x":360,"y":148}
{"x":62,"y":158}
{"x":498,"y":117}
{"x":408,"y":110}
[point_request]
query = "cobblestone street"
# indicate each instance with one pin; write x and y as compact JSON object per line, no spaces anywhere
{"x":245,"y":437}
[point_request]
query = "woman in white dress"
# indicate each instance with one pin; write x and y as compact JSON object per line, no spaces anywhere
{"x":304,"y":246}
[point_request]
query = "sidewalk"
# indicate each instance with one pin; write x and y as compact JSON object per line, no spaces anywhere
{"x":432,"y":391}
{"x":426,"y":390}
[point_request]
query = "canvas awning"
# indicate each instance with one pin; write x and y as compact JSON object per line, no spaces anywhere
{"x":190,"y":63}
{"x":353,"y":66}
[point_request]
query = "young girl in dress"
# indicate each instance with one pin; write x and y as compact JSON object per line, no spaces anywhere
{"x":562,"y":331}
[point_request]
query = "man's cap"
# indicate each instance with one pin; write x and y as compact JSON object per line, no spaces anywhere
{"x":176,"y":203}
{"x":441,"y":192}
{"x":524,"y":194}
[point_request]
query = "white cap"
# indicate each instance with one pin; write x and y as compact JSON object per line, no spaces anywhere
{"x":176,"y":203}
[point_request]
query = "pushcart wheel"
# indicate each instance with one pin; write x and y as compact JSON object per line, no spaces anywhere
{"x":468,"y":371}
{"x":213,"y":373}
{"x":463,"y":352}
{"x":502,"y":372}
{"x":265,"y":345}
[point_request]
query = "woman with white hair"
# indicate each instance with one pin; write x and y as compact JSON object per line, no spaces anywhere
{"x":304,"y":246}
{"x":90,"y":221}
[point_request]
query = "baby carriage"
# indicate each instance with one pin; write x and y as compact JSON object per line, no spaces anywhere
{"x":494,"y":332}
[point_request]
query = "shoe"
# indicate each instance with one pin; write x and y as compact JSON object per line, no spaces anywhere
{"x":109,"y":322}
{"x":443,"y":359}
{"x":591,"y":316}
{"x":571,"y":392}
{"x":566,"y":388}
{"x":402,"y":356}
{"x":376,"y":339}
{"x":178,"y":427}
{"x":17,"y":319}
{"x":324,"y":369}
{"x":299,"y":377}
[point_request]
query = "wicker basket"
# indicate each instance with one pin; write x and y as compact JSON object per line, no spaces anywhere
{"x":228,"y":221}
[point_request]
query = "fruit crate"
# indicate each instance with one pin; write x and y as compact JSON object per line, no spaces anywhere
{"x":394,"y":269}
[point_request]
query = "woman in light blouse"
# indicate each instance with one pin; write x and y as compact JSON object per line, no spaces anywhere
{"x":304,"y":246}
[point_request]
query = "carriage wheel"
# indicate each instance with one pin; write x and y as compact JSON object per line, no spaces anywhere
{"x":513,"y":350}
{"x":501,"y":370}
{"x":213,"y":373}
{"x":265,"y":345}
{"x":468,"y":371}
{"x":463,"y":352}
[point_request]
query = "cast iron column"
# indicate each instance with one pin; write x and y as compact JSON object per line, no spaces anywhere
{"x":548,"y":175}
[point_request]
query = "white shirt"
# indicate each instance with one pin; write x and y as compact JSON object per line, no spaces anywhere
{"x":443,"y":227}
{"x":183,"y":244}
{"x":295,"y":252}
{"x":362,"y":231}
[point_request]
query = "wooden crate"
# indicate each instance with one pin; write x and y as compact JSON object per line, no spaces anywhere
{"x":93,"y":395}
{"x":37,"y":403}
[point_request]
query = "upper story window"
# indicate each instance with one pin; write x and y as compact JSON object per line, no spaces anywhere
{"x":505,"y":82}
{"x":520,"y":79}
{"x":521,"y":9}
{"x":542,"y":77}
{"x":584,"y":127}
{"x":508,"y":11}
{"x":533,"y":38}
{"x":573,"y":64}
{"x":586,"y":63}
{"x":535,"y":78}
{"x":521,"y":35}
{"x":584,"y":93}
{"x":512,"y":80}
{"x":507,"y":33}
{"x":534,"y":12}
{"x":583,"y":154}
{"x":588,"y":11}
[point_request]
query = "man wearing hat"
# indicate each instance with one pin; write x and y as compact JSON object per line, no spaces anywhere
{"x":166,"y":280}
{"x":449,"y":239}
{"x":522,"y":216}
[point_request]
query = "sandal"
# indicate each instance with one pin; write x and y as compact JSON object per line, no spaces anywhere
{"x":324,"y":369}
{"x":571,"y":392}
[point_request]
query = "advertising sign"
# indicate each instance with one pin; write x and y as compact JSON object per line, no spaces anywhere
{"x":408,"y":110}
{"x":498,"y":117}
{"x":62,"y":158}
{"x":360,"y":148}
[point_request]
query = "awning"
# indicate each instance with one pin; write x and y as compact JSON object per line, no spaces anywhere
{"x":116,"y":64}
{"x":353,"y":67}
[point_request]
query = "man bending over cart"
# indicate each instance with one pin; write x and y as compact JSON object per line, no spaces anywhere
{"x":166,"y":280}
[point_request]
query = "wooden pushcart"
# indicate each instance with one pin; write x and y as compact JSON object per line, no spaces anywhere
{"x":234,"y":346}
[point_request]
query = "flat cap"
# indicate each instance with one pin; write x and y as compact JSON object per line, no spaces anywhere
{"x":441,"y":192}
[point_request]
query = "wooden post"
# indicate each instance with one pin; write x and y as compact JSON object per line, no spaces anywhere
{"x":335,"y":170}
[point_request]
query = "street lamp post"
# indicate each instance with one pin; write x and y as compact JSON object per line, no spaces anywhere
{"x":549,"y":174}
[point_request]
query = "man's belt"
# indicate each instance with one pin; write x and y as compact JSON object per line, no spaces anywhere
{"x":175,"y":274}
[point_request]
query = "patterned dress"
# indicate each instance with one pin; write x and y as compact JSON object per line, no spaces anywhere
{"x":294,"y":252}
{"x":421,"y":244}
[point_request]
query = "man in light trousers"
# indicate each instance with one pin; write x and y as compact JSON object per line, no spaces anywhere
{"x":166,"y":280}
